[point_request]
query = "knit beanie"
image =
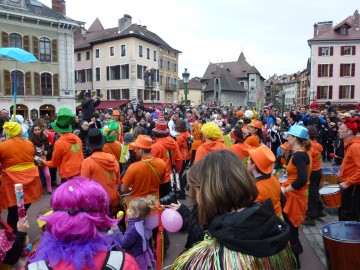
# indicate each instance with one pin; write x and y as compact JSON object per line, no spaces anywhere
{"x":211,"y":131}
{"x":128,"y":138}
{"x":353,"y":124}
{"x":12,"y":129}
{"x":161,"y":126}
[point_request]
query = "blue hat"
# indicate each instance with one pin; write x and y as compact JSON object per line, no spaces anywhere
{"x":299,"y":132}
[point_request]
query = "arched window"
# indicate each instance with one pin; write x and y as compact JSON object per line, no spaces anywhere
{"x":46,"y":84}
{"x":15,"y":40}
{"x":18,"y":77}
{"x":45,"y":49}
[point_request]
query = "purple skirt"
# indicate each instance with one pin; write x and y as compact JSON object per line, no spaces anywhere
{"x":146,"y":260}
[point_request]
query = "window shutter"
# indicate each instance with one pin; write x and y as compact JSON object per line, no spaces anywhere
{"x":341,"y":91}
{"x":319,"y":51}
{"x":318,"y":92}
{"x":56,"y":85}
{"x":319,"y":70}
{"x":35,"y":43}
{"x":37,"y":85}
{"x":352,"y":70}
{"x":331,"y":51}
{"x":330,"y":92}
{"x":4,"y":39}
{"x":342,"y":50}
{"x":54,"y":50}
{"x":7,"y":80}
{"x":352,"y":94}
{"x":331,"y":70}
{"x":341,"y":70}
{"x":353,"y":50}
{"x":28,"y":83}
{"x":26,"y":40}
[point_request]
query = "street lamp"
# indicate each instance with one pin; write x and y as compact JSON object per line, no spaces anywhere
{"x":186,"y":76}
{"x":282,"y":96}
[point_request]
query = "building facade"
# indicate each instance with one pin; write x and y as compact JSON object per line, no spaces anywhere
{"x":125,"y":63}
{"x":233,"y":83}
{"x":335,"y":62}
{"x":45,"y":86}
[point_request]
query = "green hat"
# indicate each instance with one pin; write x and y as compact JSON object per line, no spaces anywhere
{"x":63,"y":121}
{"x":110,"y":130}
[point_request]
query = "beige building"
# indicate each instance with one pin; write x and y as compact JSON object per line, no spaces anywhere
{"x":45,"y":86}
{"x":124,"y":63}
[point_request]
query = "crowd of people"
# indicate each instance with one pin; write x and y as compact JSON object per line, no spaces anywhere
{"x":230,"y":162}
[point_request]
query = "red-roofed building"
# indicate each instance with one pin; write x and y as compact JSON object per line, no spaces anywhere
{"x":335,"y":62}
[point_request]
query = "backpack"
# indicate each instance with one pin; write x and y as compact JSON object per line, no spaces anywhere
{"x":114,"y":261}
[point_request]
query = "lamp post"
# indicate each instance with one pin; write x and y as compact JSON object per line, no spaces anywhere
{"x":186,"y":76}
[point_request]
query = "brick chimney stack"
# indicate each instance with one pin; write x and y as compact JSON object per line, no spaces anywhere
{"x":357,"y":20}
{"x":59,"y":6}
{"x":315,"y":29}
{"x":322,"y":27}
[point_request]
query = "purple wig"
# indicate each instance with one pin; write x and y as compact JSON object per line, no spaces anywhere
{"x":76,"y":229}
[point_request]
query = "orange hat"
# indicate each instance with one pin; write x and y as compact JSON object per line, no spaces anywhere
{"x":286,"y":146}
{"x":257,"y":124}
{"x":116,"y":113}
{"x":142,"y":142}
{"x":253,"y":141}
{"x":239,"y":114}
{"x":263,"y":158}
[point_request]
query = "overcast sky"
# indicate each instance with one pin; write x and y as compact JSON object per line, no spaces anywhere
{"x":272,"y":34}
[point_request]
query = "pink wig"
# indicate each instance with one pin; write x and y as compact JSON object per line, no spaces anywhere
{"x":84,"y":195}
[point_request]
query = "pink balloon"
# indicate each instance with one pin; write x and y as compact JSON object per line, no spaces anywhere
{"x":151,"y":222}
{"x":171,"y":220}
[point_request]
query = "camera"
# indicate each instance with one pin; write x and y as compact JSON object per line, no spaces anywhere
{"x":168,"y":199}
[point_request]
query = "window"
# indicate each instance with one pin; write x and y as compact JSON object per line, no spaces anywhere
{"x":124,"y":71}
{"x":348,"y":50}
{"x":80,"y":76}
{"x":346,"y":91}
{"x":45,"y":50}
{"x":17,"y":76}
{"x":347,"y":70}
{"x":114,"y":94}
{"x":343,"y":31}
{"x":123,"y":50}
{"x":168,"y":65}
{"x":161,"y":80}
{"x":139,"y":72}
{"x":125,"y":93}
{"x":97,"y":53}
{"x":147,"y":53}
{"x":147,"y":94}
{"x":78,"y":57}
{"x":98,"y":92}
{"x":140,"y":51}
{"x":87,"y":55}
{"x":112,"y":52}
{"x":46,"y":84}
{"x":325,"y":70}
{"x":89,"y":75}
{"x":175,"y":67}
{"x":155,"y":56}
{"x":97,"y":74}
{"x":161,"y":63}
{"x":15,"y":40}
{"x":114,"y":72}
{"x":325,"y":51}
{"x":140,"y":94}
{"x":324,"y":92}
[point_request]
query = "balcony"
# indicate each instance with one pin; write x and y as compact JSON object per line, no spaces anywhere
{"x":170,"y":87}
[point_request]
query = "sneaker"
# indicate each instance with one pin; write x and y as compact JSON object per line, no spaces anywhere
{"x":309,"y":222}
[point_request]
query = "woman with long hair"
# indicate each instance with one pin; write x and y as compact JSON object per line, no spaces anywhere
{"x":255,"y":129}
{"x":241,"y":234}
{"x":295,"y":188}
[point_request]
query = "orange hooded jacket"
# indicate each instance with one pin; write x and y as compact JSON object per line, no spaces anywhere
{"x":350,"y":167}
{"x":208,"y":147}
{"x":315,"y":154}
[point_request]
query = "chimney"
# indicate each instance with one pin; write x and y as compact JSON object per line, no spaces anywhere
{"x":357,"y":20}
{"x":315,"y":30}
{"x":145,"y":27}
{"x":59,"y":6}
{"x":323,"y":27}
{"x":124,"y":22}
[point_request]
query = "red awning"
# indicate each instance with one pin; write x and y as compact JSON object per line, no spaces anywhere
{"x":105,"y":104}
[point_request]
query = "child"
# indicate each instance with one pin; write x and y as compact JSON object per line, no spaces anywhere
{"x":136,"y":237}
{"x":127,"y":155}
{"x":42,"y":150}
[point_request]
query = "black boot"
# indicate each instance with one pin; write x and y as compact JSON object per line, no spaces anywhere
{"x":297,"y":264}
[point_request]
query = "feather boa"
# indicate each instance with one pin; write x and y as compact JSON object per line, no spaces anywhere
{"x":209,"y":254}
{"x":79,"y":254}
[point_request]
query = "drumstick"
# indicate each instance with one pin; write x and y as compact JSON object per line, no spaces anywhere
{"x":332,"y":155}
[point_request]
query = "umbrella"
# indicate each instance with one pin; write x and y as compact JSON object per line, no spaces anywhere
{"x":21,"y":56}
{"x":18,"y":54}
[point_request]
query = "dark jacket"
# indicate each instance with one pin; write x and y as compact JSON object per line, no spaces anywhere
{"x":88,"y":108}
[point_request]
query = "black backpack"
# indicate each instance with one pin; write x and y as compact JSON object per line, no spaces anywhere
{"x":189,"y":142}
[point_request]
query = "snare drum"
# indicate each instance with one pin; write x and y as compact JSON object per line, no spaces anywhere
{"x":342,"y":245}
{"x":331,"y":196}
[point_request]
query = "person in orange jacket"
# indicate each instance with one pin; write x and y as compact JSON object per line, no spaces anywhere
{"x":260,"y":164}
{"x":240,"y":148}
{"x":111,"y":130}
{"x":213,"y":141}
{"x":67,"y":154}
{"x":349,"y":174}
{"x":102,"y":167}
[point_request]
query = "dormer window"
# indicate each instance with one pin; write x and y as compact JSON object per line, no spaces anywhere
{"x":343,"y":31}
